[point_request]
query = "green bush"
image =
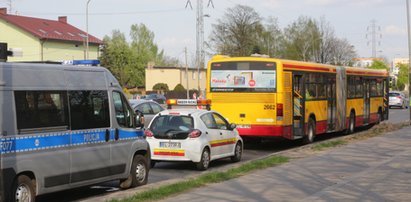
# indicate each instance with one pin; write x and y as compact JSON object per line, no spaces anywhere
{"x":160,"y":87}
{"x":179,"y":88}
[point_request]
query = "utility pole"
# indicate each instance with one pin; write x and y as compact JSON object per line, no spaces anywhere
{"x":374,"y":37}
{"x":200,"y":37}
{"x":409,"y":50}
{"x":188,"y":93}
{"x":87,"y":40}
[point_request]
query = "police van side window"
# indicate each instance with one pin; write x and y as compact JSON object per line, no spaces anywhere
{"x":124,"y":114}
{"x":89,"y":109}
{"x":41,"y":109}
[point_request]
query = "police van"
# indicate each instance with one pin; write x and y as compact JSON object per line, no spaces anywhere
{"x":66,"y":126}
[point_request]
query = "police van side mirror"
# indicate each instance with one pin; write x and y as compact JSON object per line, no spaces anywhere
{"x":139,"y":119}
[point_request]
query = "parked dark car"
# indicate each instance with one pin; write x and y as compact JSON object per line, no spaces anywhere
{"x":160,"y":99}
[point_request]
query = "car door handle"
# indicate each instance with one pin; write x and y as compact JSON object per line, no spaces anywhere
{"x":221,"y":133}
{"x":107,"y":135}
{"x":117,"y":135}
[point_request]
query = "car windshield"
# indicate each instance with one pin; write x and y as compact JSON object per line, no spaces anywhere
{"x":394,"y":94}
{"x":167,"y":122}
{"x":177,"y":127}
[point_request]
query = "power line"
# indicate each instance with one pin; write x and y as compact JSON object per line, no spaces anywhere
{"x":108,"y":13}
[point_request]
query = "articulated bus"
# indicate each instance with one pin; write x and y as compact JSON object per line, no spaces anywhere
{"x":269,"y":97}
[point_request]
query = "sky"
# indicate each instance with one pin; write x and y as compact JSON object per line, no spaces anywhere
{"x":174,"y":25}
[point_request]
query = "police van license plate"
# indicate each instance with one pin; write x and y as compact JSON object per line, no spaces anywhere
{"x":174,"y":145}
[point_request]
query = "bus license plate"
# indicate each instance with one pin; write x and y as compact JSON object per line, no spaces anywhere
{"x":174,"y":145}
{"x":243,"y":126}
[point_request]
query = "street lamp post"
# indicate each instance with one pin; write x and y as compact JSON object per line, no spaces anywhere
{"x":409,"y":50}
{"x":87,"y":40}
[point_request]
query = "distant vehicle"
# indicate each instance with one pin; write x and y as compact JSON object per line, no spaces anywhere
{"x":148,"y":108}
{"x":195,"y":135}
{"x":398,"y":99}
{"x":161,"y":99}
{"x":64,"y":126}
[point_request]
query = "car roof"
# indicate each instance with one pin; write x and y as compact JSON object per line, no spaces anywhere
{"x":137,"y":102}
{"x":185,"y":112}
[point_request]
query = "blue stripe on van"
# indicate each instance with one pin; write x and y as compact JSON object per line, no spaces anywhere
{"x":58,"y":140}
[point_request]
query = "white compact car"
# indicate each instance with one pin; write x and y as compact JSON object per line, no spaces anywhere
{"x":193,"y":135}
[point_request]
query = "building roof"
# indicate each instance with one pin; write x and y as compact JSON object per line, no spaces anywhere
{"x":48,"y":29}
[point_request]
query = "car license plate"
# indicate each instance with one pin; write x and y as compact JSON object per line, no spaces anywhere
{"x":174,"y":145}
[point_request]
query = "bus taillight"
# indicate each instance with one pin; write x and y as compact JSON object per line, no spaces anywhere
{"x":279,"y":111}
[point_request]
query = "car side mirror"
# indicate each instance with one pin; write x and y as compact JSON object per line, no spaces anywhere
{"x":233,"y":126}
{"x":139,"y":119}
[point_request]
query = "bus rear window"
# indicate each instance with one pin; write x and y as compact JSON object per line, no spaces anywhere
{"x":243,"y":77}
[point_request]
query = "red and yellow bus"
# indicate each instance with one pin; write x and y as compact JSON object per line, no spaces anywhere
{"x":268,"y":97}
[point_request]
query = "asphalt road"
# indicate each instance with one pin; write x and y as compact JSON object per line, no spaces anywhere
{"x":168,"y":170}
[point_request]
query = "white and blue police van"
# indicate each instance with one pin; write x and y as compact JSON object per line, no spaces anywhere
{"x":64,"y":126}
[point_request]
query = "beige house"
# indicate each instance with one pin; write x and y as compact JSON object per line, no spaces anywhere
{"x":45,"y":40}
{"x":172,"y":76}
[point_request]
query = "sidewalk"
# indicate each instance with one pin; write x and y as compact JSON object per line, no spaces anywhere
{"x":376,"y":169}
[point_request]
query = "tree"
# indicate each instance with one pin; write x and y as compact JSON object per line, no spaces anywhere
{"x":160,"y":87}
{"x":376,"y":64}
{"x":271,"y":38}
{"x":310,"y":40}
{"x":301,"y":39}
{"x":341,"y":52}
{"x":236,"y":33}
{"x":118,"y":57}
{"x":402,"y":76}
{"x":126,"y":60}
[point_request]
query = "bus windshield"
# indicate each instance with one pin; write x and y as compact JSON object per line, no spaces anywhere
{"x":243,"y":77}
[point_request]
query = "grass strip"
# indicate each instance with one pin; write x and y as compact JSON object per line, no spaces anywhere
{"x":328,"y":144}
{"x":208,"y":178}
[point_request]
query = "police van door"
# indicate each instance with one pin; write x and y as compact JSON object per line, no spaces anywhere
{"x":123,"y":135}
{"x":90,"y":151}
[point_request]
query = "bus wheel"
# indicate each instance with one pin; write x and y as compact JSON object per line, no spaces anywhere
{"x":204,"y":161}
{"x":138,"y":173}
{"x":24,"y":189}
{"x":351,"y":124}
{"x":238,"y":151}
{"x":379,"y":120}
{"x":309,"y":138}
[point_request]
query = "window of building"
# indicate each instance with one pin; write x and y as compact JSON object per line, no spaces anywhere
{"x":194,"y":75}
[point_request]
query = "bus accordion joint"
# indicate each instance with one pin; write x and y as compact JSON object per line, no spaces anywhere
{"x":279,"y":111}
{"x":189,"y":102}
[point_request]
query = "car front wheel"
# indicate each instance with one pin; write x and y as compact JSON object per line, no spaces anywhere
{"x":138,"y":173}
{"x":24,"y":189}
{"x":238,"y":151}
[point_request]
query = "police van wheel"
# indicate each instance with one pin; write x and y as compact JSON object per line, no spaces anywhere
{"x":238,"y":151}
{"x":138,"y":173}
{"x":24,"y":189}
{"x":204,"y":161}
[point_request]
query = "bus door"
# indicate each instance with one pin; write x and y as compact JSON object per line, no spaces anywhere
{"x":332,"y":103}
{"x":298,"y":105}
{"x":366,"y":116}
